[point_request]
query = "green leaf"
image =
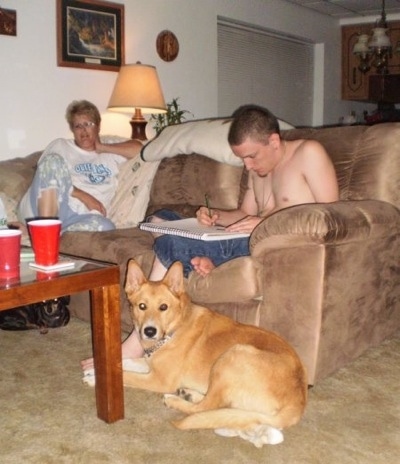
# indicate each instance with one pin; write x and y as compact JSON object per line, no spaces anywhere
{"x":174,"y":115}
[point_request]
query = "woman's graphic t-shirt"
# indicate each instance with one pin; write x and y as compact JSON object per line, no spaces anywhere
{"x":91,"y":172}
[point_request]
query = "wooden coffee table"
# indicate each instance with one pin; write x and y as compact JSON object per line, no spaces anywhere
{"x":102,"y":280}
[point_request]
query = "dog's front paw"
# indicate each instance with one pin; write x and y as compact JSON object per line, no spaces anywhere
{"x":190,"y":395}
{"x":184,"y":394}
{"x":138,"y":365}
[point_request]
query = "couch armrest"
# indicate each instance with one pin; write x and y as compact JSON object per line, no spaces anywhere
{"x":325,"y":223}
{"x":236,"y":280}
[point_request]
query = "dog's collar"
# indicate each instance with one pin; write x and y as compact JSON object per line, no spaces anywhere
{"x":149,"y":351}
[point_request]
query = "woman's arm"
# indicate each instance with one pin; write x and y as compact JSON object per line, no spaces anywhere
{"x":89,"y":201}
{"x":127,"y":149}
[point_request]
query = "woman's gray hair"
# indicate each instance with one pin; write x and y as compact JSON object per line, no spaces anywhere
{"x":82,"y":107}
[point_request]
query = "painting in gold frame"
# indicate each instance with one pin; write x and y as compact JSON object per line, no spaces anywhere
{"x":90,"y":34}
{"x":8,"y":22}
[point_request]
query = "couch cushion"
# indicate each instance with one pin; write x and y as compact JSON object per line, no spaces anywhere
{"x":116,"y":246}
{"x":341,"y":143}
{"x":10,"y":205}
{"x":182,"y":181}
{"x":375,"y":174}
{"x":16,"y":175}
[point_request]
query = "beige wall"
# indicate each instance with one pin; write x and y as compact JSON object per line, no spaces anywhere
{"x":35,"y":91}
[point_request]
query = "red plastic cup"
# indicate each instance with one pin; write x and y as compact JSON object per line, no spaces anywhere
{"x":10,"y":250}
{"x":45,"y":239}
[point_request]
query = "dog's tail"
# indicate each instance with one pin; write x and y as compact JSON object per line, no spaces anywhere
{"x":225,"y":418}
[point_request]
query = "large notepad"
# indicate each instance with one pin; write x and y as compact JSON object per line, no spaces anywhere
{"x":190,"y":228}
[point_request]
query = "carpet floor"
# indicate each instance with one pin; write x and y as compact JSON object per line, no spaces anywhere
{"x":48,"y":416}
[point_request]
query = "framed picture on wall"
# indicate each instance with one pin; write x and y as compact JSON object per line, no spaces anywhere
{"x":8,"y":22}
{"x":90,"y":34}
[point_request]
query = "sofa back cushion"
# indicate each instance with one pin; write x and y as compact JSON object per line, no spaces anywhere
{"x":366,"y":159}
{"x":376,"y":171}
{"x":182,"y":181}
{"x":16,"y":175}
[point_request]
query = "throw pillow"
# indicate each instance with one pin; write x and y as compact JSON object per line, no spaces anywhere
{"x":208,"y":137}
{"x":130,"y":201}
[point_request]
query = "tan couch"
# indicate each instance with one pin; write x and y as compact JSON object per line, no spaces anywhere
{"x":325,"y":276}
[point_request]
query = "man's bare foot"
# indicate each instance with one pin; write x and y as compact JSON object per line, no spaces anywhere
{"x":202,"y":265}
{"x":131,"y":348}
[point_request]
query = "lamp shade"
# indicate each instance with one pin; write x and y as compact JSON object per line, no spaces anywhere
{"x":379,"y":38}
{"x":361,"y":46}
{"x":137,"y":87}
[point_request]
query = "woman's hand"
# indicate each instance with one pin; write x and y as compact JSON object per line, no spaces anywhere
{"x":100,"y":147}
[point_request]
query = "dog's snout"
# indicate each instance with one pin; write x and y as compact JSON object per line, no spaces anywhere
{"x":150,"y":332}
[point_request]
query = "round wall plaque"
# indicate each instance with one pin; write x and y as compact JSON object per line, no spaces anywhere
{"x":167,"y":45}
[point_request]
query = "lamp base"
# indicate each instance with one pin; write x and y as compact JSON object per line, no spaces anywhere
{"x":138,"y":124}
{"x":138,"y":130}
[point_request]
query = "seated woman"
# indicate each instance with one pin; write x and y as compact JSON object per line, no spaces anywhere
{"x":76,"y":179}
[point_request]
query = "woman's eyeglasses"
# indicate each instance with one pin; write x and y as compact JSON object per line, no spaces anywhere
{"x":84,"y":125}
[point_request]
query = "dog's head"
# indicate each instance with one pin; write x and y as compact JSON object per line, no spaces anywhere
{"x":157,"y":307}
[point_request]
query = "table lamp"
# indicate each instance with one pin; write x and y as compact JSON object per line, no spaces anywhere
{"x":137,"y":89}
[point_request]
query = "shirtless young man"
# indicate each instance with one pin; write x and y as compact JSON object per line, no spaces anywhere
{"x":281,"y":174}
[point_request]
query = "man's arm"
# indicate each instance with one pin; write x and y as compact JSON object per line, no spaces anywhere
{"x":127,"y":149}
{"x":225,"y":218}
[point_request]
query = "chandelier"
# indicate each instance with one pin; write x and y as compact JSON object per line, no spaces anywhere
{"x":375,"y":50}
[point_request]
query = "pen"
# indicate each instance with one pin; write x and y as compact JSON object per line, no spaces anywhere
{"x":208,"y":205}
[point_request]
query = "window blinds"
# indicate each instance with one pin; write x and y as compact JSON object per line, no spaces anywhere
{"x":257,"y":66}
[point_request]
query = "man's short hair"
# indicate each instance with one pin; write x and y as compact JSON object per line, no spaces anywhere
{"x":254,"y":122}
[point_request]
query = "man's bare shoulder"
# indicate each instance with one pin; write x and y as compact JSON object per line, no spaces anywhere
{"x":305,"y":175}
{"x":304,"y":146}
{"x":306,"y":151}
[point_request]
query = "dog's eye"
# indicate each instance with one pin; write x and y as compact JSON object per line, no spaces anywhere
{"x":163,"y":307}
{"x":142,"y":306}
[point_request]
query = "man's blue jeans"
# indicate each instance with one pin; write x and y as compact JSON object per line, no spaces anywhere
{"x":171,"y":248}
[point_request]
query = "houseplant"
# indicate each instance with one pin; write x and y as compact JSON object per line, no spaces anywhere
{"x":174,"y":115}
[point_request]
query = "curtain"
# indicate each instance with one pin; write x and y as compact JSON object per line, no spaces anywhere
{"x":262,"y":67}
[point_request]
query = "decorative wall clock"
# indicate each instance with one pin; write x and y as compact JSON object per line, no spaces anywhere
{"x":167,"y":45}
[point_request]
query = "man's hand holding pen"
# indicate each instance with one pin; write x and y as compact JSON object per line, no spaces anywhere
{"x":211,"y":217}
{"x":207,"y":216}
{"x":245,"y":224}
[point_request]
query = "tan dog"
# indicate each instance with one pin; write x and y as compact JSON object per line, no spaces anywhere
{"x":234,"y":378}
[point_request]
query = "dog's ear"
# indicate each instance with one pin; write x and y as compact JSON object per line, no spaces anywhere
{"x":134,"y":277}
{"x":174,"y":278}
